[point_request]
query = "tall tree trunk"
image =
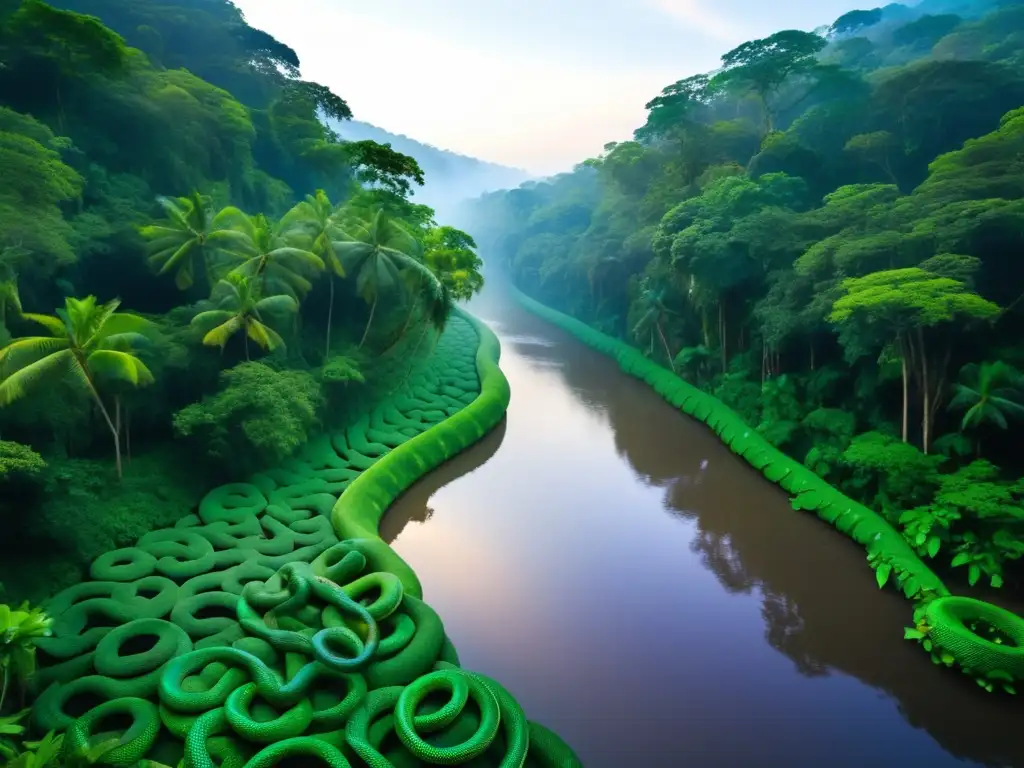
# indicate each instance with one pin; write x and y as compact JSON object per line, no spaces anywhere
{"x":721,"y":335}
{"x":117,"y":424}
{"x":128,"y":434}
{"x":811,"y":345}
{"x":330,"y":314}
{"x":938,"y":375}
{"x":903,"y":361}
{"x":668,"y":352}
{"x":110,"y":425}
{"x":373,"y":309}
{"x":926,"y":411}
{"x":246,"y":340}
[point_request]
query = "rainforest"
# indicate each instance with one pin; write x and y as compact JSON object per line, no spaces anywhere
{"x":285,"y":481}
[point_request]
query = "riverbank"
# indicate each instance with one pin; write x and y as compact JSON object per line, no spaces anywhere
{"x":186,"y":587}
{"x":982,"y":640}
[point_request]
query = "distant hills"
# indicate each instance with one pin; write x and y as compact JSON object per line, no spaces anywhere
{"x":451,"y":177}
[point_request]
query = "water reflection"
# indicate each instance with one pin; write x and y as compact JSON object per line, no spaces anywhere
{"x":592,"y":533}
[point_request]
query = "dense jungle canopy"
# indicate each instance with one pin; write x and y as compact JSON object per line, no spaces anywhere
{"x":825,"y":232}
{"x":195,"y":272}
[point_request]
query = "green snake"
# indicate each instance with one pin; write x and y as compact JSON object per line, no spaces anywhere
{"x":302,"y":583}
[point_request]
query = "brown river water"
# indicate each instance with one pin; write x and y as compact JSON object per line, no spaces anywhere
{"x":655,"y":601}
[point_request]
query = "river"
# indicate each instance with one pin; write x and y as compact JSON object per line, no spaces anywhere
{"x":655,"y":601}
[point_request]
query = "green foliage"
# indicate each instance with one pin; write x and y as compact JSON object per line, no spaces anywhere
{"x":18,"y":461}
{"x":341,"y":370}
{"x":260,"y":416}
{"x":990,"y":393}
{"x":19,"y":629}
{"x":243,"y":309}
{"x":887,"y":473}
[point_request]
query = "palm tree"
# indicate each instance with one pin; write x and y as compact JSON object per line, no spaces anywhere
{"x":317,"y":218}
{"x":377,"y":251}
{"x":88,"y":343}
{"x":989,"y":393}
{"x":268,"y":254}
{"x":190,"y":238}
{"x":654,"y":313}
{"x":241,"y":307}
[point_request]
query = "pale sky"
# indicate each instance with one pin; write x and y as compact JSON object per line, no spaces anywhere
{"x":536,"y":84}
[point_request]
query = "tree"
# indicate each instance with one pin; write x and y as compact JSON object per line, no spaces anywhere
{"x":379,"y":164}
{"x":677,"y":106}
{"x":855,"y":21}
{"x":989,"y":393}
{"x":878,"y":148}
{"x":762,"y":66}
{"x":191,"y":239}
{"x":901,"y":307}
{"x":242,"y":308}
{"x":377,"y":251}
{"x":451,"y":255}
{"x":268,"y":254}
{"x":36,"y":181}
{"x":71,"y":43}
{"x":89,"y":343}
{"x":922,"y":33}
{"x":652,"y":302}
{"x":259,"y":417}
{"x":318,"y":220}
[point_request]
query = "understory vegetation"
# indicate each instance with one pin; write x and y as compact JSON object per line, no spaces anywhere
{"x":825,"y":233}
{"x":195,"y":272}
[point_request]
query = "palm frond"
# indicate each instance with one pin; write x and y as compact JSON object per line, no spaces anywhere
{"x":219,"y":336}
{"x":53,"y":324}
{"x":21,"y":382}
{"x":281,"y":303}
{"x":263,"y":335}
{"x":121,"y":366}
{"x":125,"y":322}
{"x":25,"y":351}
{"x":211,"y":318}
{"x":125,"y":342}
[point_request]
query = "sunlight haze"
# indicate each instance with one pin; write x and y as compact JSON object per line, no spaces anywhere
{"x":535,"y":84}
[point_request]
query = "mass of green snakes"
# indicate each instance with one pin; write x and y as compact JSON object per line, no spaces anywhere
{"x":275,"y":624}
{"x":983,"y":640}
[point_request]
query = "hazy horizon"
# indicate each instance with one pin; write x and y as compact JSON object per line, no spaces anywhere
{"x":534,"y":84}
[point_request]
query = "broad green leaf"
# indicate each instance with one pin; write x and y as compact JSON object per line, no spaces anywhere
{"x":19,"y":383}
{"x":933,"y":546}
{"x":53,"y":324}
{"x":122,"y":366}
{"x":973,"y":574}
{"x":219,"y":336}
{"x":882,"y":574}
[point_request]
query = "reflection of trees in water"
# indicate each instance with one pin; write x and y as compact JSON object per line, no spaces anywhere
{"x":413,"y":506}
{"x":818,"y":601}
{"x":784,"y":628}
{"x":717,"y":554}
